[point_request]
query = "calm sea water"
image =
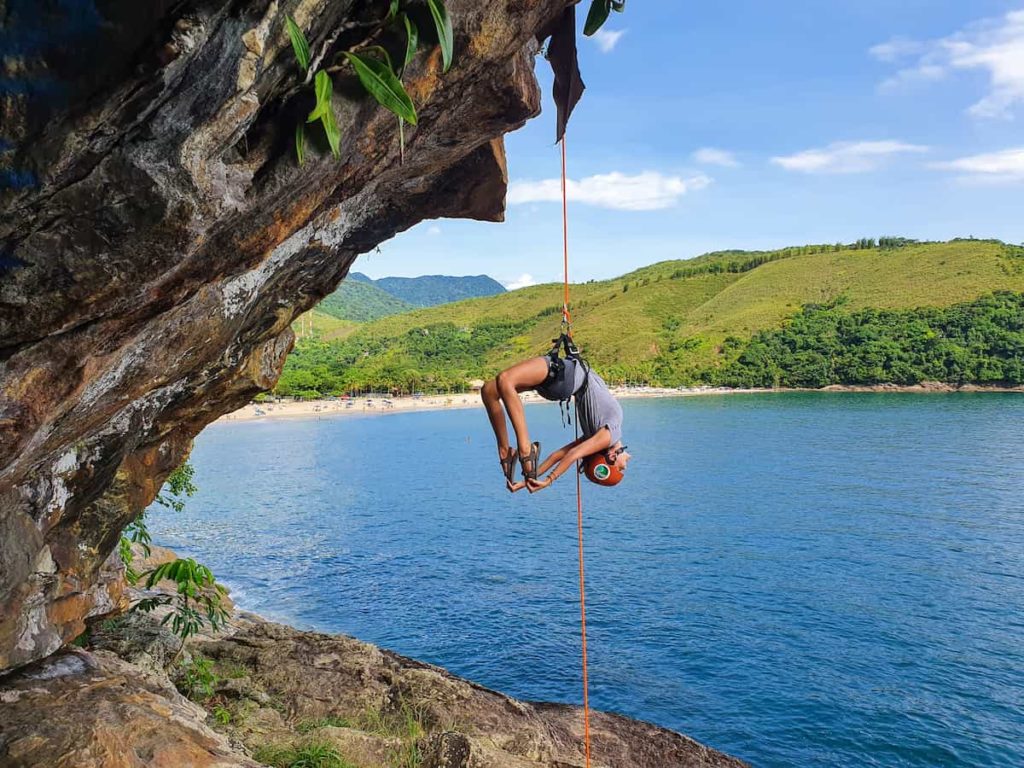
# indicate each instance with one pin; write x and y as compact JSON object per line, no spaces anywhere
{"x":795,"y":579}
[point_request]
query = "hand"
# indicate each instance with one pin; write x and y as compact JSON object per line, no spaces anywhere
{"x":538,"y":485}
{"x":513,"y":487}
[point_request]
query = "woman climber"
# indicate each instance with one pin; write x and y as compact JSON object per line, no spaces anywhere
{"x":561,"y":379}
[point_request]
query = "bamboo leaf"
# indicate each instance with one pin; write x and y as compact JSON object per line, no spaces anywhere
{"x":393,"y":11}
{"x":382,"y":83}
{"x":445,"y":35}
{"x":324,"y":88}
{"x":299,"y":43}
{"x":412,"y":39}
{"x":332,"y":132}
{"x":380,"y":49}
{"x":300,"y":142}
{"x":597,"y":16}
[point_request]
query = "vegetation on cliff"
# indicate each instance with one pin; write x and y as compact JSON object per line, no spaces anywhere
{"x":694,"y":321}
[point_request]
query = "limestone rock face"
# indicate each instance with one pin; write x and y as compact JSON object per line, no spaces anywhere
{"x":158,"y":237}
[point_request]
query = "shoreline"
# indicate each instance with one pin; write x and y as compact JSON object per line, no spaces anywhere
{"x":384,"y":405}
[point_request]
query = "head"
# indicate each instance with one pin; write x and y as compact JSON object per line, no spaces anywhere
{"x":607,"y":467}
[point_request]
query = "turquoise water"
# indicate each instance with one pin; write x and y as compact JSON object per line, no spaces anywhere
{"x":800,"y":579}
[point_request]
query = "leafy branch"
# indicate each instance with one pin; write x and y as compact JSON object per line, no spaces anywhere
{"x":374,"y":69}
{"x":599,"y":12}
{"x":198,"y":598}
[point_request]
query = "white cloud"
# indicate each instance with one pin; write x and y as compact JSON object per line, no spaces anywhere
{"x":522,"y":281}
{"x":607,"y":39}
{"x":846,"y":157}
{"x":993,"y":46}
{"x":712,"y":156}
{"x":434,"y":230}
{"x":647,"y":191}
{"x":992,"y":167}
{"x":897,"y":48}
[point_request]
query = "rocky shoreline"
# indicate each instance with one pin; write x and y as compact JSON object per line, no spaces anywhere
{"x":275,"y":693}
{"x":260,"y":693}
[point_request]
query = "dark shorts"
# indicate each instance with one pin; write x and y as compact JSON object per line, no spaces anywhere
{"x":561,"y":380}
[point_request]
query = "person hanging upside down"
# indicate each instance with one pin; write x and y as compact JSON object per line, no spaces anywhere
{"x":561,"y":379}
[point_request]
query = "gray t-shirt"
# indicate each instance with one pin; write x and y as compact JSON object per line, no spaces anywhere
{"x":596,"y":406}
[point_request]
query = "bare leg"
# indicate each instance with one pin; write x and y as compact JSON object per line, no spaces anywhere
{"x":528,"y":374}
{"x":496,"y":414}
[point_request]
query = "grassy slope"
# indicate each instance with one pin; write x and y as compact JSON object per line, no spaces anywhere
{"x":324,"y":326}
{"x":688,"y":318}
{"x":361,"y":302}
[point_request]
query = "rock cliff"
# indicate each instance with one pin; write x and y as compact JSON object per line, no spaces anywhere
{"x":158,"y":237}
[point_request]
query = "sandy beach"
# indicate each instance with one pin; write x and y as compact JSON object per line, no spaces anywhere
{"x":384,"y":405}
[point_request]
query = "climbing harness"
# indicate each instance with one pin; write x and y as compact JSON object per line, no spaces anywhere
{"x":565,"y":341}
{"x":557,"y":370}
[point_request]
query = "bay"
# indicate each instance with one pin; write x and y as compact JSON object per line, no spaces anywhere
{"x":796,"y":579}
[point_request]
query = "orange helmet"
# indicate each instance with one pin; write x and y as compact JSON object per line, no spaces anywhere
{"x":600,"y":470}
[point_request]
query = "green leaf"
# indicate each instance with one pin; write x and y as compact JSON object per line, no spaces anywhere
{"x":332,"y":132}
{"x":383,"y":85}
{"x":597,"y":16}
{"x":299,"y":43}
{"x":393,"y":11}
{"x":300,"y":142}
{"x":412,"y":39}
{"x":324,"y":88}
{"x":445,"y":35}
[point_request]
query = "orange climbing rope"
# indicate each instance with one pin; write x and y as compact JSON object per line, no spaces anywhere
{"x":567,"y":322}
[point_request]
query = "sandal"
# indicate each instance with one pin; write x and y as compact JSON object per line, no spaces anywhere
{"x":529,"y":463}
{"x":508,"y":466}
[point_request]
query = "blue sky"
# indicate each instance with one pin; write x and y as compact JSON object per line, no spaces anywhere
{"x":753,"y":124}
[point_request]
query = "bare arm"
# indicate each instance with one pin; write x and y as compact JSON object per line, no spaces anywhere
{"x":557,"y":455}
{"x":568,"y":455}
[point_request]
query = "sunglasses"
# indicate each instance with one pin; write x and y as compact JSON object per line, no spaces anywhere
{"x":612,"y":456}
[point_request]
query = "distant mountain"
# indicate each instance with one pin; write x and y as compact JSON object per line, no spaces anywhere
{"x":361,"y":301}
{"x":432,"y":290}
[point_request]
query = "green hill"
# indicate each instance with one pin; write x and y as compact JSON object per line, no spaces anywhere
{"x":361,"y":299}
{"x":361,"y":302}
{"x":685,"y":322}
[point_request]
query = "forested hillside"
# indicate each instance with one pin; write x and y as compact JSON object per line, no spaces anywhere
{"x":433,"y":290}
{"x":361,"y":302}
{"x":361,"y":299}
{"x":731,"y":317}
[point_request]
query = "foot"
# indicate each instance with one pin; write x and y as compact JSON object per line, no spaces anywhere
{"x":529,"y":461}
{"x":507,"y":459}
